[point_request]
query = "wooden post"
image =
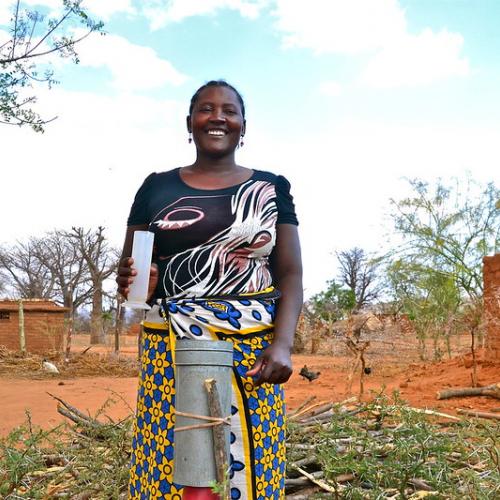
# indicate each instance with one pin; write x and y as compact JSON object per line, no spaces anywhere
{"x":118,"y":322}
{"x":69,"y":332}
{"x":22,"y":337}
{"x":220,"y":451}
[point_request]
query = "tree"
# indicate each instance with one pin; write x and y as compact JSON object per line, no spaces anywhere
{"x":69,"y":267}
{"x":101,"y":262}
{"x":24,"y":271}
{"x":334,"y":303}
{"x":437,"y":272}
{"x":359,"y":274}
{"x":449,"y":229}
{"x":430,"y":299}
{"x":33,"y":38}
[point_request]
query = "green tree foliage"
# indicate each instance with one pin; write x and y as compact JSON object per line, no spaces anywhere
{"x":334,"y":303}
{"x":23,"y":57}
{"x":446,"y":231}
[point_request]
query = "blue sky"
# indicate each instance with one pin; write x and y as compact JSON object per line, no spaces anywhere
{"x":345,"y":98}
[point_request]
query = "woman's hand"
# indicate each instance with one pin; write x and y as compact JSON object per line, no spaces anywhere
{"x":273,"y":365}
{"x":126,"y":273}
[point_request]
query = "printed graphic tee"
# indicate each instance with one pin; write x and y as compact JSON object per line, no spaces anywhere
{"x":213,"y":242}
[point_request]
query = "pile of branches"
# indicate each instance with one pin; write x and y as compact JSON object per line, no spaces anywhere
{"x":88,"y":459}
{"x":386,"y":449}
{"x":380,"y":449}
{"x":83,"y":364}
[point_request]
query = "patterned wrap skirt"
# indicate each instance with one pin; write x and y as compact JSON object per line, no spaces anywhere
{"x":257,"y":450}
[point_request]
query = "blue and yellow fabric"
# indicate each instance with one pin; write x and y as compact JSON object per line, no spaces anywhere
{"x":257,"y":420}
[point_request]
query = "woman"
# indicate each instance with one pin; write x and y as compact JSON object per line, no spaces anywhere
{"x":226,"y":248}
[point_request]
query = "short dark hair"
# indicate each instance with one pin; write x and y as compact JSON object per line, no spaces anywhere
{"x":216,"y":83}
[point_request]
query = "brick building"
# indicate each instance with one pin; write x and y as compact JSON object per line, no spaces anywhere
{"x":44,"y":325}
{"x":491,"y":278}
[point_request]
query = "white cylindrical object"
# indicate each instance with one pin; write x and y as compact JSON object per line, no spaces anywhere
{"x":142,"y":251}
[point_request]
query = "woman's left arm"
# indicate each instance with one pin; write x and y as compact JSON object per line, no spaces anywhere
{"x":274,"y":365}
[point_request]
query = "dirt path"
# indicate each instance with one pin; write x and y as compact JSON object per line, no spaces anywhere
{"x":417,"y":384}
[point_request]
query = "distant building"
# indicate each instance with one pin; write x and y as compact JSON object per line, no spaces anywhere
{"x":491,"y":297}
{"x":44,"y":325}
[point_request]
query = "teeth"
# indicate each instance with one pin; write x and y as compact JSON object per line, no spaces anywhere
{"x":216,"y":132}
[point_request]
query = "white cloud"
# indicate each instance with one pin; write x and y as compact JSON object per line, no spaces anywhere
{"x":417,"y":60}
{"x":105,"y":9}
{"x":330,"y":88}
{"x":89,"y":163}
{"x":337,"y":26}
{"x":162,"y":12}
{"x":377,"y":28}
{"x":5,"y":14}
{"x":343,"y":177}
{"x":134,"y":67}
{"x":97,"y":9}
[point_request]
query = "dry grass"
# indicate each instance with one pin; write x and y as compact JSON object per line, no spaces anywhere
{"x":88,"y":364}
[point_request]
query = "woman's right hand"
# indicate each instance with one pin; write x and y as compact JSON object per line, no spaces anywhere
{"x":126,"y":273}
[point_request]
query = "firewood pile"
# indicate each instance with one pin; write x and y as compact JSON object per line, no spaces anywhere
{"x":83,"y":364}
{"x":384,"y":449}
{"x":381,"y":449}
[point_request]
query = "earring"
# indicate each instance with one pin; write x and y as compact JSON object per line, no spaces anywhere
{"x":190,"y":138}
{"x":241,"y":142}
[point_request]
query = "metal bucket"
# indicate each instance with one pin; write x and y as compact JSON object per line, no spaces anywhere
{"x":196,"y":361}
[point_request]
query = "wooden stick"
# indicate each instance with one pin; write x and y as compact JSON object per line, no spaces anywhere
{"x":319,"y":482}
{"x":303,"y":481}
{"x":304,"y":411}
{"x":317,"y":411}
{"x":302,"y":406}
{"x":304,"y":494}
{"x":435,"y":413}
{"x":429,"y":412}
{"x":420,"y":484}
{"x":220,"y":451}
{"x":76,"y":411}
{"x":493,"y":391}
{"x":325,"y":416}
{"x":480,"y":414}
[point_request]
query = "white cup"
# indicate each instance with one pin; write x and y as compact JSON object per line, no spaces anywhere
{"x":142,"y":251}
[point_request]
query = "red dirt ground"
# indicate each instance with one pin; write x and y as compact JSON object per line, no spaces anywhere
{"x":417,"y":384}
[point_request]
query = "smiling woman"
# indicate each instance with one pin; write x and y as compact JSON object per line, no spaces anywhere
{"x":226,"y":249}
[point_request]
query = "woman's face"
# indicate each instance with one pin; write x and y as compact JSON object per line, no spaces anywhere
{"x":216,"y":121}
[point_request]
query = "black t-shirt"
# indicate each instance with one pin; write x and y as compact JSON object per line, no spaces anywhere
{"x":212,"y":242}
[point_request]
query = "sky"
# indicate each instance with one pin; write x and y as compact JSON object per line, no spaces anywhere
{"x":346,"y":98}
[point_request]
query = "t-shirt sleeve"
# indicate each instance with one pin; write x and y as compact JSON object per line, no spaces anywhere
{"x":139,"y":213}
{"x":284,"y":201}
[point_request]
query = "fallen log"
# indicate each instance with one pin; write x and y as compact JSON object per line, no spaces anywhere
{"x":492,"y":391}
{"x":480,"y":414}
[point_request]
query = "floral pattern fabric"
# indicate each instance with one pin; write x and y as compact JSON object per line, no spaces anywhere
{"x":257,"y":448}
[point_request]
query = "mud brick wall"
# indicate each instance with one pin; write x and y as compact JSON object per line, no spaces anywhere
{"x":491,"y":277}
{"x":44,"y":330}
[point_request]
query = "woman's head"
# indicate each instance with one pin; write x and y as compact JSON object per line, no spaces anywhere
{"x":216,"y":83}
{"x":216,"y":119}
